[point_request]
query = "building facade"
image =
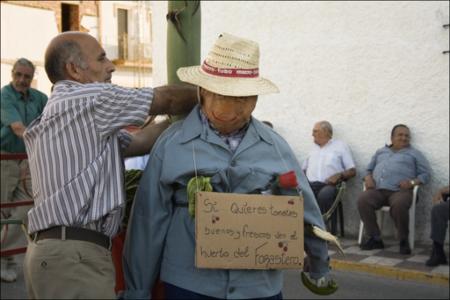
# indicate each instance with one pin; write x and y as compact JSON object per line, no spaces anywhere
{"x":122,"y":27}
{"x":364,"y":66}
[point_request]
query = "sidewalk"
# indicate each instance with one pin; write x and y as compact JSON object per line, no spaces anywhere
{"x":388,"y":262}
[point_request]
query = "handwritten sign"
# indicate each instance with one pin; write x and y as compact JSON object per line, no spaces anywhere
{"x":236,"y":231}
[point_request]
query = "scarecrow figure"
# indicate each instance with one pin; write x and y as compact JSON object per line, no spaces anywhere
{"x":229,"y":151}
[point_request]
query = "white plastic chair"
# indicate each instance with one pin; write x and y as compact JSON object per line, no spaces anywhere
{"x":412,"y":218}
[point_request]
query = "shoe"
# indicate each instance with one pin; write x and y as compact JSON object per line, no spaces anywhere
{"x":437,"y":258}
{"x":371,"y":244}
{"x":8,"y":275}
{"x":404,"y":247}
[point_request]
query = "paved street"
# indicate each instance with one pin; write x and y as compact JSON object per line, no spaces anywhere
{"x":352,"y":285}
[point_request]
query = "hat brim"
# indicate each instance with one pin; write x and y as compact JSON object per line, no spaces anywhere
{"x":227,"y":86}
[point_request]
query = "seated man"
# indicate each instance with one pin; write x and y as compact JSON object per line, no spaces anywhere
{"x":391,"y":176}
{"x":329,"y":163}
{"x":439,"y":224}
{"x":219,"y":139}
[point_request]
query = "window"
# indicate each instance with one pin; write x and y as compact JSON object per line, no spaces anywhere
{"x":122,"y":32}
{"x":70,"y":17}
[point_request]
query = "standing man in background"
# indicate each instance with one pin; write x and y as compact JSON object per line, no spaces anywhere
{"x":76,"y":150}
{"x":329,"y":163}
{"x":20,"y":104}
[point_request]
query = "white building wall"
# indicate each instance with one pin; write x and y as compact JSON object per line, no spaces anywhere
{"x":29,"y":40}
{"x":109,"y":28}
{"x":26,"y":32}
{"x":139,"y":36}
{"x":363,"y":66}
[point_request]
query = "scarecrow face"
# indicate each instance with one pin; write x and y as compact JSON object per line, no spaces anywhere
{"x":227,"y":113}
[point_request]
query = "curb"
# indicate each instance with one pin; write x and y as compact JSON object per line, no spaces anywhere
{"x":391,"y":272}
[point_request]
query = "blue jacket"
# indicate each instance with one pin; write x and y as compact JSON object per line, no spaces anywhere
{"x":161,"y":235}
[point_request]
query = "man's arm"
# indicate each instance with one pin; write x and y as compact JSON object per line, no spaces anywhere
{"x":439,"y":196}
{"x":148,"y":225}
{"x":341,"y":176}
{"x":369,"y":182}
{"x":173,"y":99}
{"x":422,"y":172}
{"x":10,"y":116}
{"x":144,"y":139}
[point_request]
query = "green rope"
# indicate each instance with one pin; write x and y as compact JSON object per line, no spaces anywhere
{"x":197,"y":184}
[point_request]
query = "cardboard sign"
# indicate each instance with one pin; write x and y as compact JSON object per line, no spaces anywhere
{"x":236,"y":231}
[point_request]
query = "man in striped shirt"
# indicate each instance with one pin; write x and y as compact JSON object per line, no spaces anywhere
{"x":76,"y":149}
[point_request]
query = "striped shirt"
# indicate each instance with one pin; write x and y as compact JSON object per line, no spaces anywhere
{"x":75,"y":158}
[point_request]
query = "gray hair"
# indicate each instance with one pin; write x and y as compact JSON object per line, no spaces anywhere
{"x":23,"y":62}
{"x":326,"y":126}
{"x":58,"y":57}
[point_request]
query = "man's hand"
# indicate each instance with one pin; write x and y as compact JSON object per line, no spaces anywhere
{"x":438,"y":196}
{"x":335,"y":179}
{"x":173,"y":99}
{"x":406,"y":184}
{"x":369,"y":182}
{"x":18,"y":128}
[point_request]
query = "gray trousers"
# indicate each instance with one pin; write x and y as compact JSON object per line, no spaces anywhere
{"x":371,"y":200}
{"x":439,"y":221}
{"x":325,"y":195}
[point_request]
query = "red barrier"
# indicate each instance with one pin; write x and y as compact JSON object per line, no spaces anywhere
{"x":15,"y":204}
{"x":13,"y":156}
{"x":116,"y":253}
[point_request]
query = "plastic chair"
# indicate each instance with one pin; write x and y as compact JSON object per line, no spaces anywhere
{"x":337,"y":204}
{"x":385,"y":209}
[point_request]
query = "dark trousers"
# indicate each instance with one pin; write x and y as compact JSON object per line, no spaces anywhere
{"x":325,"y":195}
{"x":439,"y":221}
{"x":174,"y":292}
{"x":371,"y":200}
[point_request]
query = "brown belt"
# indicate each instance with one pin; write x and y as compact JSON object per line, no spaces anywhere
{"x":74,"y":233}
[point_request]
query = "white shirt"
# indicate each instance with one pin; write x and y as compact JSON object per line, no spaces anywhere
{"x":323,"y":162}
{"x":137,"y":162}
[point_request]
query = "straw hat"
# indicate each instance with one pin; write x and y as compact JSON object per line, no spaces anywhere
{"x":231,"y":69}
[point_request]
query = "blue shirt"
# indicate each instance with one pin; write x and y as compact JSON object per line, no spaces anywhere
{"x":161,"y":235}
{"x":389,"y":167}
{"x":16,"y":108}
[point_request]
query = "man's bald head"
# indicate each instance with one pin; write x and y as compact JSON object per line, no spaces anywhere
{"x":63,"y":49}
